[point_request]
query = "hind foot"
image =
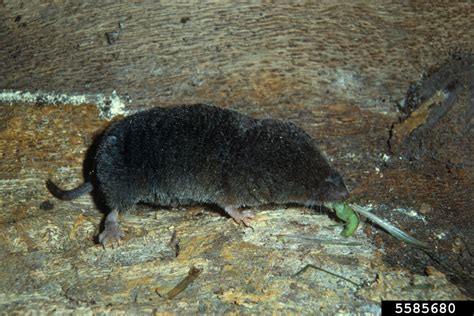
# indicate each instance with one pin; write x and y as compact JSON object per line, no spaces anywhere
{"x":112,"y":234}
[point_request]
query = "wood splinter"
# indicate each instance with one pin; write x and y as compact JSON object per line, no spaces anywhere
{"x":181,"y":286}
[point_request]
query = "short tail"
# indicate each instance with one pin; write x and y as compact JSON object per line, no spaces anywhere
{"x":61,"y":194}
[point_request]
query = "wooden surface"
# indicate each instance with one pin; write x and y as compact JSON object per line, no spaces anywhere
{"x":337,"y":70}
{"x":229,"y":54}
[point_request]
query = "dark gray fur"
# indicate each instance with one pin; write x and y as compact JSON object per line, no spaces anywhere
{"x":204,"y":154}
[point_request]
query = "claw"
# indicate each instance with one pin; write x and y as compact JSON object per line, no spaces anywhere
{"x":112,"y":234}
{"x":239,"y":217}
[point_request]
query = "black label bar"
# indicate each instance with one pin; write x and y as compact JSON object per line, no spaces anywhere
{"x":465,"y":308}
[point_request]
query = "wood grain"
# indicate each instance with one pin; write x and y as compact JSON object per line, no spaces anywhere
{"x":229,"y":54}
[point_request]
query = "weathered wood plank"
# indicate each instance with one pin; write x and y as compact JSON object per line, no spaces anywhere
{"x":229,"y":54}
{"x":335,"y":69}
